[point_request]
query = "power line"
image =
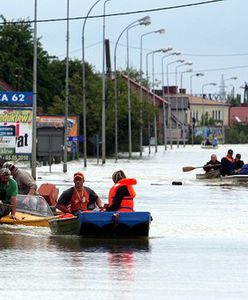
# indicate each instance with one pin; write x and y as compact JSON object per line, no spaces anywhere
{"x":118,"y":14}
{"x":212,"y":70}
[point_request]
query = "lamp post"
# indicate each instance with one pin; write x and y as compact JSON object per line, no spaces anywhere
{"x":103,"y":88}
{"x":164,"y":50}
{"x":181,"y":86}
{"x":163,"y":94}
{"x":146,"y":22}
{"x":223,"y":96}
{"x":34,"y":92}
{"x":84,"y":87}
{"x":191,"y":95}
{"x":161,"y":31}
{"x":168,"y":92}
{"x":177,"y":112}
{"x":143,"y":21}
{"x":66,"y":88}
{"x":203,"y":112}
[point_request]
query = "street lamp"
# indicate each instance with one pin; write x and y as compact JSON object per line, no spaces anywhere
{"x":223,"y":96}
{"x":66,"y":89}
{"x":181,"y":86}
{"x":203,"y":112}
{"x":164,"y":50}
{"x":161,"y":31}
{"x":103,"y":88}
{"x":163,"y":95}
{"x":181,"y":65}
{"x":168,"y":92}
{"x":34,"y":92}
{"x":84,"y":87}
{"x":144,"y":21}
{"x":197,"y":75}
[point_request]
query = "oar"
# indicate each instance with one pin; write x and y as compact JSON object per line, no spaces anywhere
{"x":189,"y":168}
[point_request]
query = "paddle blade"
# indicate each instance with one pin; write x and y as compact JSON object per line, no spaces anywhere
{"x":187,"y":169}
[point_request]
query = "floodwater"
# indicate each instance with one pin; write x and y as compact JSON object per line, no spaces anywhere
{"x":197,"y":249}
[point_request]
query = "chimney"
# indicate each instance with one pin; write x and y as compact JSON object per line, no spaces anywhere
{"x":171,"y":89}
{"x":182,"y":91}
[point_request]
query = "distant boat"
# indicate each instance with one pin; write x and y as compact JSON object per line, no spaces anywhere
{"x":204,"y":146}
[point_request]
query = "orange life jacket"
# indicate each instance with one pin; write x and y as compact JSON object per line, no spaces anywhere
{"x":229,"y":159}
{"x":79,"y":200}
{"x":127,"y":201}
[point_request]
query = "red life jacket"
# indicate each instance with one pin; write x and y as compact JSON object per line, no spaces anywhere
{"x":79,"y":200}
{"x":127,"y":201}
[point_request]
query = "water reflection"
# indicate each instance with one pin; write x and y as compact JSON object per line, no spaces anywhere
{"x":99,"y":245}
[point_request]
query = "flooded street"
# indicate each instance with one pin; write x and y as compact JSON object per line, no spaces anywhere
{"x":197,"y":249}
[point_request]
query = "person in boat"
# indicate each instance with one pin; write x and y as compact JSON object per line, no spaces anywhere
{"x":207,"y":142}
{"x":213,"y":164}
{"x":243,"y":170}
{"x":26,"y":183}
{"x":238,"y":163}
{"x":78,"y":198}
{"x":122,"y":193}
{"x":215,"y":142}
{"x":227,"y":164}
{"x":8,"y":193}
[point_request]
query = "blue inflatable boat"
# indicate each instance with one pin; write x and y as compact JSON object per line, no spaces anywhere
{"x":103,"y":224}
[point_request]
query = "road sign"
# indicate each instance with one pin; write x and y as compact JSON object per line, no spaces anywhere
{"x":16,"y":98}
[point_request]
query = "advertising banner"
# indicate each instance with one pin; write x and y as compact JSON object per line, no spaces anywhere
{"x":15,"y":134}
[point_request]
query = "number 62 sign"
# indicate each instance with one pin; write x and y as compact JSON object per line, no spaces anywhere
{"x":16,"y":98}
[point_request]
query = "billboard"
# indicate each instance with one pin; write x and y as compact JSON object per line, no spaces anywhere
{"x":15,"y":134}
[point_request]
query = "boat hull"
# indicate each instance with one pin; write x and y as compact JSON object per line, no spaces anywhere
{"x":210,"y":175}
{"x":236,"y":179}
{"x":26,"y":220}
{"x":104,"y":224}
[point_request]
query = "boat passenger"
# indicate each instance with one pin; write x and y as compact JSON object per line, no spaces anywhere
{"x":244,"y":170}
{"x":227,"y":164}
{"x":215,"y":142}
{"x":238,"y":163}
{"x":8,"y":193}
{"x":78,"y":198}
{"x":213,"y":164}
{"x":207,"y":142}
{"x":121,"y":194}
{"x":26,"y":183}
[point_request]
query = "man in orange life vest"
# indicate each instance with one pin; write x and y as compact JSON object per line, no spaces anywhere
{"x":78,"y":198}
{"x":227,"y":164}
{"x":121,"y":194}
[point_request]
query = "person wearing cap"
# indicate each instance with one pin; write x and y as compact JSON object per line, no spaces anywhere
{"x":122,"y":193}
{"x":238,"y":163}
{"x":79,"y":197}
{"x":26,"y":183}
{"x":8,"y":193}
{"x":227,"y":164}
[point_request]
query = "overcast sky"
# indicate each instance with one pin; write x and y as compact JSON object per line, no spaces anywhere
{"x":211,"y":36}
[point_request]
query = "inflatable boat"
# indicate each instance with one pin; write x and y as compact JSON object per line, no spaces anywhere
{"x":103,"y":224}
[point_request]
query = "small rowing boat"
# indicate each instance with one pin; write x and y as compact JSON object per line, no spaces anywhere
{"x":103,"y":224}
{"x":209,"y":175}
{"x":35,"y":213}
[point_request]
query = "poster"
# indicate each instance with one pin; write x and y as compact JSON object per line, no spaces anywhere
{"x":15,"y":134}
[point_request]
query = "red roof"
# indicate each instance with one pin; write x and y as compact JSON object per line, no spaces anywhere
{"x":5,"y":87}
{"x":238,"y":115}
{"x":145,"y":91}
